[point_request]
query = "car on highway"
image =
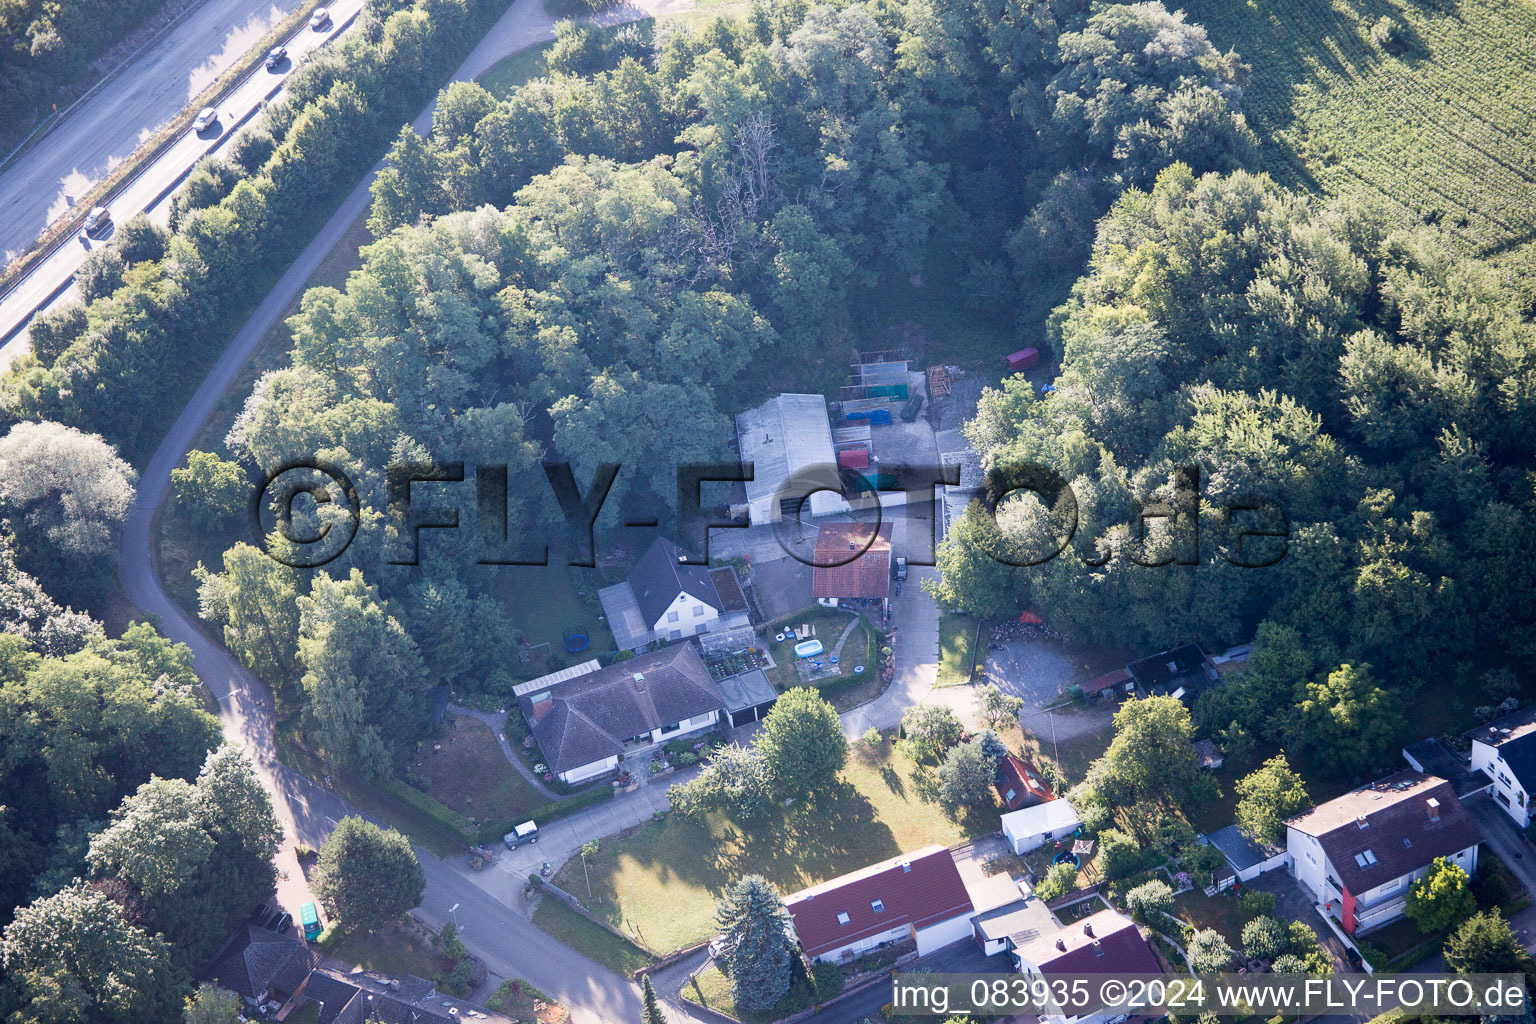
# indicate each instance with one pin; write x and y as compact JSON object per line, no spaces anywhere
{"x":320,"y":19}
{"x":206,"y":118}
{"x":98,"y":219}
{"x":275,"y":57}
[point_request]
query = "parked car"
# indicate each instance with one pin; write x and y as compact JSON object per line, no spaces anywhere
{"x":276,"y":56}
{"x":320,"y":19}
{"x":98,"y":219}
{"x":281,"y":924}
{"x":527,"y":832}
{"x":206,"y":118}
{"x":901,"y":568}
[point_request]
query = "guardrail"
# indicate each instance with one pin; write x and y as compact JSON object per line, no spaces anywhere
{"x":46,"y":244}
{"x":52,"y":121}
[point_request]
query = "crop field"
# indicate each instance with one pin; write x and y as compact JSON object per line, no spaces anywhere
{"x":1443,"y":130}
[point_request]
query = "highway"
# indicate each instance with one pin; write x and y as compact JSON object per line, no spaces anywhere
{"x":32,"y":190}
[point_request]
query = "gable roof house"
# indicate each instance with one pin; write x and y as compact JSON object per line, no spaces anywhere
{"x":667,"y":599}
{"x":1358,"y":854}
{"x":584,"y":721}
{"x":1019,"y":783}
{"x":1103,"y":943}
{"x":918,"y":895}
{"x":1504,"y":751}
{"x":850,"y":564}
{"x":788,"y":441}
{"x":262,"y":966}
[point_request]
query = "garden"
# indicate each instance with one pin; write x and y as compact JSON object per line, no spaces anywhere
{"x":842,"y":684}
{"x":660,"y":883}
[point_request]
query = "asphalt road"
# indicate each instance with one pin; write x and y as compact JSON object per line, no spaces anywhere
{"x":100,"y":133}
{"x":510,"y":945}
{"x":32,"y":190}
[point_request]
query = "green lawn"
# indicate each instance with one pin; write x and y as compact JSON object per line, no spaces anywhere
{"x":661,"y":883}
{"x":712,"y":990}
{"x":510,"y":72}
{"x":1219,"y":912}
{"x":1441,"y":133}
{"x":957,"y":637}
{"x":545,"y":604}
{"x":394,"y":949}
{"x":596,"y":943}
{"x":469,"y":773}
{"x":843,"y":691}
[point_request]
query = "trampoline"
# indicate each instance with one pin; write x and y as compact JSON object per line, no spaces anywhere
{"x":577,"y":642}
{"x":1068,"y":857}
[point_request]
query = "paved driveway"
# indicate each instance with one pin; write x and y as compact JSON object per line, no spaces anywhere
{"x":1293,"y":904}
{"x":1502,"y":836}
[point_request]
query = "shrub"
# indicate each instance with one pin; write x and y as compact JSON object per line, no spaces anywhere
{"x":1058,"y":881}
{"x":828,"y":980}
{"x":1119,"y":854}
{"x":1288,"y":963}
{"x":1388,"y":34}
{"x":329,"y":937}
{"x":1264,"y":938}
{"x":1253,"y":903}
{"x":1209,"y":952}
{"x":1149,"y":900}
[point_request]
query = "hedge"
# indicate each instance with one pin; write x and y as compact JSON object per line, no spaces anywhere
{"x":447,"y":817}
{"x":492,"y":833}
{"x":129,"y":369}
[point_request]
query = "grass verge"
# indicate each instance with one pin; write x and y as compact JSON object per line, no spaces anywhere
{"x":957,"y":648}
{"x":599,"y":944}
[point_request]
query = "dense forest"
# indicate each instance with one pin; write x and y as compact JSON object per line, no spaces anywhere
{"x":48,"y":44}
{"x":606,"y":264}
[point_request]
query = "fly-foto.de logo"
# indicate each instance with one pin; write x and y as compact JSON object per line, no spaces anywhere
{"x":1256,"y":530}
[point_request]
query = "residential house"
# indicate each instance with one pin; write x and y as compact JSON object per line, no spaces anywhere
{"x":265,"y":968}
{"x":1183,"y":672}
{"x":584,"y":720}
{"x":1032,"y":827}
{"x":1357,"y":855}
{"x":1505,"y":752}
{"x":852,"y":563}
{"x":918,"y":896}
{"x":1210,"y":755}
{"x":1019,"y":783}
{"x":788,"y":441}
{"x":665,"y":598}
{"x":1103,"y":943}
{"x":262,"y":966}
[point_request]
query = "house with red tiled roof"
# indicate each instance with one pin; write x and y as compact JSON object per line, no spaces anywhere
{"x":918,"y":896}
{"x":852,"y":563}
{"x":1019,"y":783}
{"x":1107,"y":942}
{"x":1358,"y":854}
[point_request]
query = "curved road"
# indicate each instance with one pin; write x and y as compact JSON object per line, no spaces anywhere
{"x":509,"y":943}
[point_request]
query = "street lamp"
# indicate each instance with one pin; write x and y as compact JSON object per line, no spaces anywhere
{"x":454,"y":916}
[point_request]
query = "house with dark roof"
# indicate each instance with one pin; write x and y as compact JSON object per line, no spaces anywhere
{"x":666,"y":598}
{"x":262,"y":966}
{"x":1358,"y":854}
{"x":1019,"y":783}
{"x":852,"y":563}
{"x":265,"y":968}
{"x":1504,"y":751}
{"x":1183,"y":672}
{"x":1103,"y":943}
{"x":918,"y":896}
{"x":584,"y":720}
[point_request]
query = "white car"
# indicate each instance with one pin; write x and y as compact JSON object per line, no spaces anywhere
{"x":97,"y":220}
{"x":206,"y":118}
{"x":320,"y":19}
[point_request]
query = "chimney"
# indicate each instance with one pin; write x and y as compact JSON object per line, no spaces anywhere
{"x":1433,"y":807}
{"x":1088,"y":930}
{"x":1061,"y":944}
{"x":1361,"y":822}
{"x":640,"y":681}
{"x":1098,"y":948}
